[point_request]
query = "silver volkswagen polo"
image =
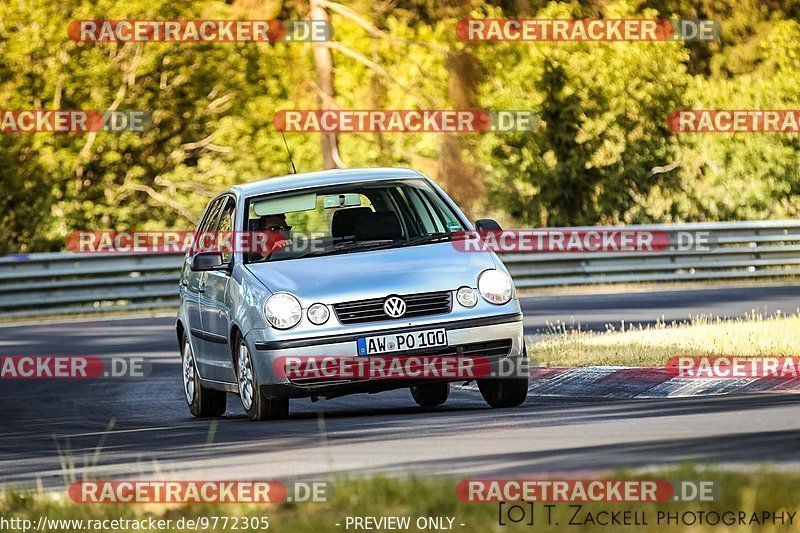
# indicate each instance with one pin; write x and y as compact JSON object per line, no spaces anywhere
{"x":367,"y":262}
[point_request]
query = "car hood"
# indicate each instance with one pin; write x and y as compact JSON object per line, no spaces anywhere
{"x":374,"y":274}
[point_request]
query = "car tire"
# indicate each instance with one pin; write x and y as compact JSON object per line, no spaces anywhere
{"x":430,"y":394}
{"x":507,"y":391}
{"x":203,"y":402}
{"x":256,"y":404}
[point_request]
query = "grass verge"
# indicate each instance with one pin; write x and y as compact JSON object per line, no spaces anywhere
{"x":657,"y":286}
{"x":755,"y":335}
{"x":746,"y":492}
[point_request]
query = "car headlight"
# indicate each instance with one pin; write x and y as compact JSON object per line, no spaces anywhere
{"x":467,"y":296}
{"x":318,"y":314}
{"x":283,"y":310}
{"x":495,"y":287}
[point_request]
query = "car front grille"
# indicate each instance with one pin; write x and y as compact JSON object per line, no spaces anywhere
{"x":492,"y":351}
{"x":422,"y":304}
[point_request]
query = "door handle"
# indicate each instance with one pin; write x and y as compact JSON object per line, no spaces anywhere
{"x":185,"y":282}
{"x":201,"y":288}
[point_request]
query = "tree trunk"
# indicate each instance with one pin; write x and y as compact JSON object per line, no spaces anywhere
{"x":460,"y":177}
{"x":323,"y":63}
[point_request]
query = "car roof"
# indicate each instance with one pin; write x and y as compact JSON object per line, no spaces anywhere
{"x":321,"y":179}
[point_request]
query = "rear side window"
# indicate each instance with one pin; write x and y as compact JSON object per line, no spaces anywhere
{"x":318,"y":221}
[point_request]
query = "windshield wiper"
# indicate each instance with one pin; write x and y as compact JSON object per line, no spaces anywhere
{"x":383,"y":244}
{"x":424,"y":239}
{"x":342,"y":248}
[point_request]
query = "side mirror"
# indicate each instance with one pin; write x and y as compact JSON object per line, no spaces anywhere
{"x":487,"y":224}
{"x":205,"y":261}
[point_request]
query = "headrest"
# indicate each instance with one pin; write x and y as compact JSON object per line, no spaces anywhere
{"x":381,"y":225}
{"x":254,"y":224}
{"x":344,"y":221}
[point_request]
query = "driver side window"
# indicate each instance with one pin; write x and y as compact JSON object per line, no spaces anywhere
{"x":201,"y":239}
{"x":224,"y":231}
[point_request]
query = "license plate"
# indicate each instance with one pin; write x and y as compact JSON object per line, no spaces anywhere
{"x":400,"y":342}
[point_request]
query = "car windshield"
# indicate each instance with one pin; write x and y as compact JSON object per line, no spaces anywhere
{"x":348,"y":219}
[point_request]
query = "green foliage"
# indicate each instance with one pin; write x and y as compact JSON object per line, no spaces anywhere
{"x":211,"y":104}
{"x":740,"y":175}
{"x":603,"y":130}
{"x":603,"y":153}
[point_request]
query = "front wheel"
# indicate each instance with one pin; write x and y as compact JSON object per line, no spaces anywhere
{"x":507,"y":391}
{"x":430,"y":394}
{"x":255,"y":403}
{"x":203,"y":402}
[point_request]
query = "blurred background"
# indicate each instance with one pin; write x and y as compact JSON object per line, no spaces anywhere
{"x":603,"y":153}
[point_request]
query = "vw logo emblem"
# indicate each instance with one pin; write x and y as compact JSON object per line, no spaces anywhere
{"x":394,"y":306}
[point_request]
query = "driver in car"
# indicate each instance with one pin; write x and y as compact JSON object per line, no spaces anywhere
{"x":277,"y":235}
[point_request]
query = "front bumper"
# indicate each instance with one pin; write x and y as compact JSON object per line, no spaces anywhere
{"x":459,"y":333}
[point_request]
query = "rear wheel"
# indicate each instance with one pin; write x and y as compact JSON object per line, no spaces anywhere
{"x":508,"y":391}
{"x":202,"y":402}
{"x":255,"y":403}
{"x":430,"y":394}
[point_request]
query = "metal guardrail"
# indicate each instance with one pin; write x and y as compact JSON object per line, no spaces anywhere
{"x":738,"y":250}
{"x":68,"y":283}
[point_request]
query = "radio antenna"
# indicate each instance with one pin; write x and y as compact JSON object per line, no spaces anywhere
{"x":294,"y":170}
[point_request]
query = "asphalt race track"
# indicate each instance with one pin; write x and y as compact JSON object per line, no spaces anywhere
{"x":56,"y":431}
